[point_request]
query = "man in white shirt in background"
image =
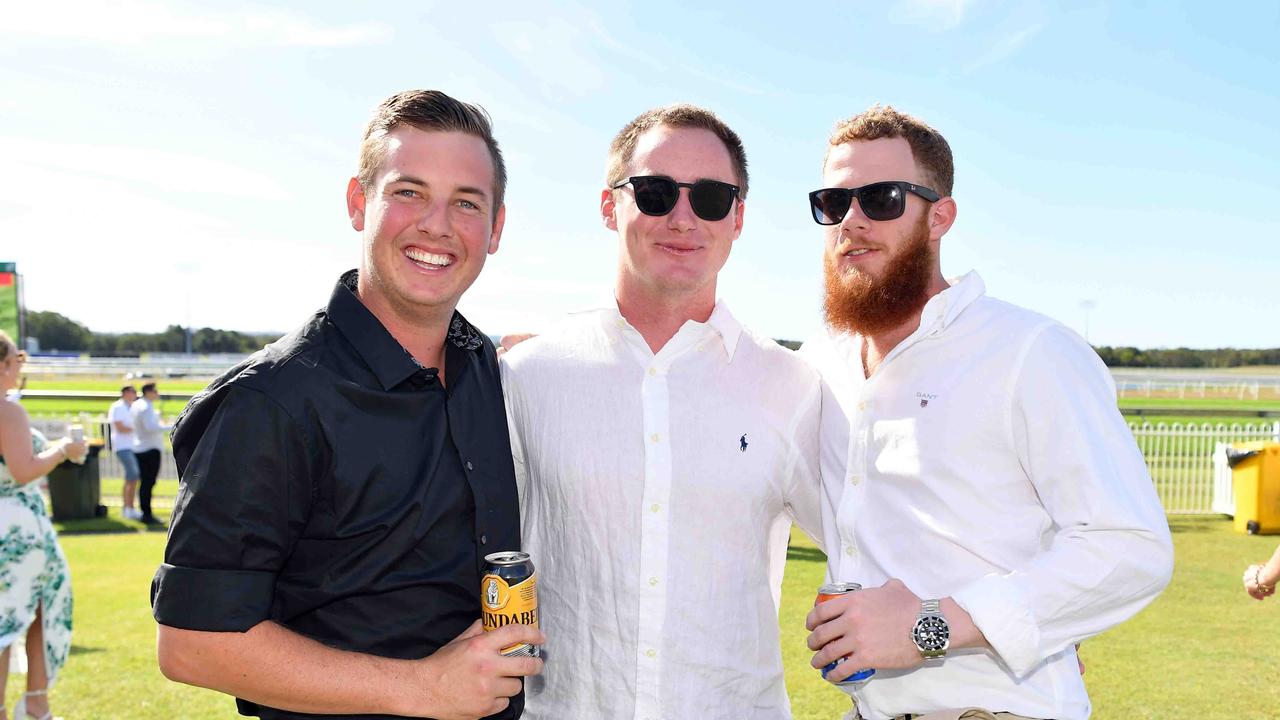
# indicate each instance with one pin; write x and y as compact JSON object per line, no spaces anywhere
{"x":662,"y":452}
{"x":978,"y":479}
{"x":148,"y":446}
{"x":122,"y":440}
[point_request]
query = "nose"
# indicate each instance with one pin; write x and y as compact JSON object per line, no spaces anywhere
{"x":855,"y":218}
{"x":682,"y":218}
{"x":435,"y":220}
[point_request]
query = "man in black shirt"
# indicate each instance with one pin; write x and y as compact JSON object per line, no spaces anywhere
{"x":341,"y":487}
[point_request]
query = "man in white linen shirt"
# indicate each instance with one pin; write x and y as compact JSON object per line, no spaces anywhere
{"x":662,"y":453}
{"x":148,"y":446}
{"x":977,"y":476}
{"x":122,"y":441}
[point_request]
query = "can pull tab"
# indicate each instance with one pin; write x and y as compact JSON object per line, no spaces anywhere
{"x":1235,"y":457}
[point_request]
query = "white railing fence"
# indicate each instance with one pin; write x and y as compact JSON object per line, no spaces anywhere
{"x":1188,"y":462}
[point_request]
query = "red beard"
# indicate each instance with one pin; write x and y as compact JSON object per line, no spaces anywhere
{"x":858,"y":303}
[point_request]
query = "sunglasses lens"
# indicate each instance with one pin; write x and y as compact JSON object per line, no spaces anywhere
{"x":711,"y":199}
{"x":829,"y":206}
{"x":655,"y":195}
{"x":882,"y":201}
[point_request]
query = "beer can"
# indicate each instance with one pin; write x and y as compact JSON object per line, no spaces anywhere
{"x":509,"y":594}
{"x":828,"y":592}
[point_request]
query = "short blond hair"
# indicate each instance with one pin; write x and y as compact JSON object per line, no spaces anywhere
{"x":930,"y":150}
{"x":623,"y":147}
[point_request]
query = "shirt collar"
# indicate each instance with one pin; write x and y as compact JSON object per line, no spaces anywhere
{"x":384,"y":355}
{"x":721,"y":321}
{"x":946,"y":306}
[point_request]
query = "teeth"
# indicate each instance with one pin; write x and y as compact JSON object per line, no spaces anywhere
{"x":863,"y":251}
{"x":428,"y":258}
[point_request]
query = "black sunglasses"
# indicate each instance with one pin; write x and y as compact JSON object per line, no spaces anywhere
{"x":711,"y":199}
{"x":879,"y":201}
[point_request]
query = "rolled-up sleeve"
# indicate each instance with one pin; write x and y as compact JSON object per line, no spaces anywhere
{"x":245,"y":497}
{"x":1110,"y":553}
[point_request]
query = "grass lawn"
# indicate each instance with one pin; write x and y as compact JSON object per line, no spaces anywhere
{"x":1202,"y":650}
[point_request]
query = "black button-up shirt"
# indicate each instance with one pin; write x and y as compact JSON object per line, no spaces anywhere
{"x":331,"y":484}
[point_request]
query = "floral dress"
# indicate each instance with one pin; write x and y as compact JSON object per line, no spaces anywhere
{"x":33,"y":570}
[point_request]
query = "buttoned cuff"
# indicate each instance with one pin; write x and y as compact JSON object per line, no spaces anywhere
{"x":211,"y":600}
{"x":1002,"y":612}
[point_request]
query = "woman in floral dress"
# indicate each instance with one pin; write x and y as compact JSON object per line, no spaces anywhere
{"x":35,"y":588}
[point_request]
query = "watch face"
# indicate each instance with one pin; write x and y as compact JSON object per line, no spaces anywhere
{"x":931,"y":633}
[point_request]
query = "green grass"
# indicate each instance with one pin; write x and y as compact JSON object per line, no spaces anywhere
{"x":1202,"y":650}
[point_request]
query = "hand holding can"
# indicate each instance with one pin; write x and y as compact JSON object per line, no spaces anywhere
{"x":831,"y":591}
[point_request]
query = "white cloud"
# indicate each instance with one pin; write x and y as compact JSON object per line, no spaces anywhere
{"x":166,"y":170}
{"x":133,"y":22}
{"x":937,"y":14}
{"x":1004,"y":47}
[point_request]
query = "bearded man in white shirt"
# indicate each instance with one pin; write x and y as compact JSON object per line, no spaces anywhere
{"x":978,"y":479}
{"x":662,"y":453}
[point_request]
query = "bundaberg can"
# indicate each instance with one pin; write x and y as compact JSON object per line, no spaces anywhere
{"x":509,"y":594}
{"x":829,"y":592}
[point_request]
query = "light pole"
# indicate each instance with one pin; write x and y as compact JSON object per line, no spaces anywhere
{"x":1086,"y":306}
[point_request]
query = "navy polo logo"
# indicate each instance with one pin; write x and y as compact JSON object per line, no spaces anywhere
{"x":923,"y":402}
{"x":743,"y":442}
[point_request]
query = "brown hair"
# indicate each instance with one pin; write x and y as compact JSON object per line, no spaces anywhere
{"x":7,"y":346}
{"x":623,"y":147}
{"x":930,"y":150}
{"x":429,"y":110}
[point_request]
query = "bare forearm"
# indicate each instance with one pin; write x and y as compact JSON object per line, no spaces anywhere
{"x":38,"y":466}
{"x":1270,"y":573}
{"x":276,"y":667}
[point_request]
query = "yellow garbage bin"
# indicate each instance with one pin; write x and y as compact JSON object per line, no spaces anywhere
{"x":1255,"y":483}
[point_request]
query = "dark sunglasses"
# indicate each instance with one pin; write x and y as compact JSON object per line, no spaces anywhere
{"x":879,"y":201}
{"x":711,"y":199}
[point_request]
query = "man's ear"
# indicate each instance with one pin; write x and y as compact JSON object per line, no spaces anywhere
{"x":941,"y":217}
{"x":499,"y":221}
{"x":608,"y":209}
{"x":355,"y":204}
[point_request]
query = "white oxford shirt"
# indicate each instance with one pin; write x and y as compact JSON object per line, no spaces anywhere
{"x":656,"y":495}
{"x":986,"y":460}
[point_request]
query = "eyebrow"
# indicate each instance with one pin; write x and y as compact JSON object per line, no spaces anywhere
{"x":412,"y":180}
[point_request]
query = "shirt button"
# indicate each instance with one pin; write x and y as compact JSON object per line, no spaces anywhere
{"x":854,"y":479}
{"x":849,"y":550}
{"x":862,"y":405}
{"x":655,"y":507}
{"x":484,"y":539}
{"x":653,"y":371}
{"x":653,"y":581}
{"x":650,"y":653}
{"x":470,"y":466}
{"x":654,"y":437}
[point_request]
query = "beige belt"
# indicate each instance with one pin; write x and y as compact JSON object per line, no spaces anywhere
{"x":959,"y":714}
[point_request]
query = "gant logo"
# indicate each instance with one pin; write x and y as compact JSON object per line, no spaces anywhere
{"x":924,"y":398}
{"x":743,"y":442}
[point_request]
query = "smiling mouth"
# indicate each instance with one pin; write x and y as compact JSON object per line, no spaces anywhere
{"x":429,"y":261}
{"x":678,"y":250}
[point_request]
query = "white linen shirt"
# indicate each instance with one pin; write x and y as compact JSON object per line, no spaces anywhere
{"x":120,"y":412}
{"x":986,"y":460}
{"x":657,"y":494}
{"x":148,"y":431}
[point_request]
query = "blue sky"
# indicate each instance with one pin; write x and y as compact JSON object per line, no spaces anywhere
{"x":185,"y":162}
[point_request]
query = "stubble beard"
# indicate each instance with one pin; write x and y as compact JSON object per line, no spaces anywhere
{"x":857,"y":302}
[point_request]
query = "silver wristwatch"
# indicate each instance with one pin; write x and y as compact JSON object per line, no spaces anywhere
{"x":931,"y":634}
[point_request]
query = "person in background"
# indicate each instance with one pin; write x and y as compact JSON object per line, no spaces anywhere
{"x":148,"y":447}
{"x":35,"y":586}
{"x":122,"y":440}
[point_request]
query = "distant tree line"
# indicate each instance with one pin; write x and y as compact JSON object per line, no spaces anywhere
{"x":1186,"y":357}
{"x":58,"y":332}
